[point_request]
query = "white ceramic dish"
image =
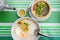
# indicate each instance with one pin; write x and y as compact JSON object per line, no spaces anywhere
{"x":18,"y":12}
{"x":34,"y":32}
{"x":14,"y":36}
{"x":39,"y":19}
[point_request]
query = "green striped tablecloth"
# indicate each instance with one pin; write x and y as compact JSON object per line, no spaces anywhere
{"x":50,"y":27}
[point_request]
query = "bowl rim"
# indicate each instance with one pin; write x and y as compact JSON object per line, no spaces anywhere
{"x":12,"y":29}
{"x":45,"y":17}
{"x":18,"y":12}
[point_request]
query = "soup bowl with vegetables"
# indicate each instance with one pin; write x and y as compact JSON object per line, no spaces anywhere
{"x":40,"y":10}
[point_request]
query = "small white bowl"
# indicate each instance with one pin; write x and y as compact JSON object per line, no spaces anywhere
{"x":19,"y":14}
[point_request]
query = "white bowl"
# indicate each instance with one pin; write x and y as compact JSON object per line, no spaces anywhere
{"x":14,"y":36}
{"x":18,"y":12}
{"x":41,"y":18}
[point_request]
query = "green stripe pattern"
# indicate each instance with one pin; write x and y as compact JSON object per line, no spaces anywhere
{"x":11,"y":17}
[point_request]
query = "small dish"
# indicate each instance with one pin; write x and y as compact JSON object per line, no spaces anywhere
{"x":21,"y":12}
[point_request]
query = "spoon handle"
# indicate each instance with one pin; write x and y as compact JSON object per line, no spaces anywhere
{"x":43,"y":35}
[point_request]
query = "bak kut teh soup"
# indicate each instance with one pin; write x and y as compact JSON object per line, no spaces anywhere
{"x":40,"y":9}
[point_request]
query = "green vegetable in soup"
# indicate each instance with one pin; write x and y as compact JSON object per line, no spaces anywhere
{"x":40,"y":7}
{"x":26,"y":24}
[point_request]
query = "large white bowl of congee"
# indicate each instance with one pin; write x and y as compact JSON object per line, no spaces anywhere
{"x":41,"y":10}
{"x":24,"y":29}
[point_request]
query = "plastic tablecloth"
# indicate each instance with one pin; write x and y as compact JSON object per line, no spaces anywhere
{"x":50,"y":27}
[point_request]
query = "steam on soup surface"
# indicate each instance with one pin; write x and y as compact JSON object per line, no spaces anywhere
{"x":40,"y":9}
